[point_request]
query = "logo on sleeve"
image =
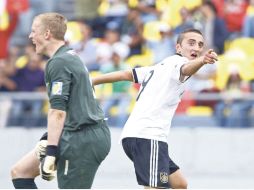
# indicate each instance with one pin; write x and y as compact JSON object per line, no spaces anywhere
{"x":57,"y":88}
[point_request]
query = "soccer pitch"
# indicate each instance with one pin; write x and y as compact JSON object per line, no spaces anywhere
{"x":208,"y":158}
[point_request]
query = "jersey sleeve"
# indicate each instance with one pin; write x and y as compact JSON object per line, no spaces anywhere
{"x":60,"y":83}
{"x":139,"y":74}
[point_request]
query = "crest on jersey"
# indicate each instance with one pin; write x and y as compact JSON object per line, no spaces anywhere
{"x":57,"y":88}
{"x":164,"y":177}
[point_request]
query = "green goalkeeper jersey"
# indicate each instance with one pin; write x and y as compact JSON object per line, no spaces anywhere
{"x":69,"y":89}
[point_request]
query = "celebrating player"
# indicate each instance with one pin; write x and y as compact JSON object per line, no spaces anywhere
{"x":145,"y":134}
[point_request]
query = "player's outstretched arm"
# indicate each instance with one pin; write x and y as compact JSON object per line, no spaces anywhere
{"x":113,"y":77}
{"x":193,"y":66}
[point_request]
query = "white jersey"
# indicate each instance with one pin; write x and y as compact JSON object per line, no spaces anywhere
{"x":158,"y":98}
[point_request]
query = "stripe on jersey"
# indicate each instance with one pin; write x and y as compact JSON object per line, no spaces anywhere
{"x":153,"y":163}
{"x":135,"y":75}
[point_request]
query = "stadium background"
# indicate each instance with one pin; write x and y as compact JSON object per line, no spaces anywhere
{"x":213,"y":147}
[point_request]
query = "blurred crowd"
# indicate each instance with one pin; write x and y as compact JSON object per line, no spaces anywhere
{"x":111,"y":35}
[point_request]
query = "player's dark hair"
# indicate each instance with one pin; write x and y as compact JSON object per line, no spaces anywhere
{"x":181,"y":36}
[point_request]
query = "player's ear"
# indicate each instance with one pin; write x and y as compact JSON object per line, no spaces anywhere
{"x":47,"y":34}
{"x":178,"y":48}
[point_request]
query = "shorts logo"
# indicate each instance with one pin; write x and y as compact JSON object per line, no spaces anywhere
{"x":57,"y":88}
{"x":164,"y":177}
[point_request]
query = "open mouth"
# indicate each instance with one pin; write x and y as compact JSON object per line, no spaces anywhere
{"x":194,"y":55}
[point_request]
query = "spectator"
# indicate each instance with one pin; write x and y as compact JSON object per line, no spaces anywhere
{"x":104,"y":47}
{"x":5,"y":85}
{"x":248,"y":25}
{"x":165,"y":46}
{"x":86,"y":11}
{"x":112,"y":13}
{"x":219,"y":4}
{"x":233,"y":110}
{"x":187,"y":21}
{"x":28,"y":79}
{"x":7,"y":69}
{"x":234,"y":13}
{"x":131,"y":31}
{"x":86,"y":48}
{"x":214,"y":27}
{"x":115,"y":13}
{"x":120,"y":96}
{"x":28,"y":9}
{"x":148,"y":11}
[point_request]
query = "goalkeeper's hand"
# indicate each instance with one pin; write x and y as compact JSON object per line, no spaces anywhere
{"x":48,"y":164}
{"x":40,"y":149}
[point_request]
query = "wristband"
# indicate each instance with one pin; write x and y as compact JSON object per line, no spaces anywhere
{"x":51,"y":150}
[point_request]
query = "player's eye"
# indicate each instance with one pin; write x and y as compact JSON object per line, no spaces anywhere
{"x":201,"y":44}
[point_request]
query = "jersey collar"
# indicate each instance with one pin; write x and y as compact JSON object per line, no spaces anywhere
{"x":62,"y":49}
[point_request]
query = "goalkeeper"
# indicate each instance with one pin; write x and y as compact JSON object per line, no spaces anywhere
{"x":78,"y":139}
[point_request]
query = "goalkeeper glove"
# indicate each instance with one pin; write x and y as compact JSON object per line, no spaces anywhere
{"x":48,"y":165}
{"x":40,"y":149}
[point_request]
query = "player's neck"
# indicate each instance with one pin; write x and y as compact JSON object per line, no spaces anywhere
{"x":53,"y":47}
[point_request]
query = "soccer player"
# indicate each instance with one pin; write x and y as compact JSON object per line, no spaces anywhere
{"x":145,"y":134}
{"x":78,"y":138}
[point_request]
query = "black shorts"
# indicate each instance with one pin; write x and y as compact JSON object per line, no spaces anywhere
{"x":151,"y":161}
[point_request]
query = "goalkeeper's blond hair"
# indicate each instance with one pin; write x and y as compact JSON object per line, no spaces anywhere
{"x":55,"y":23}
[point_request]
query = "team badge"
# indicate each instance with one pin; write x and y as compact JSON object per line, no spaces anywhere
{"x":164,"y":177}
{"x":57,"y":88}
